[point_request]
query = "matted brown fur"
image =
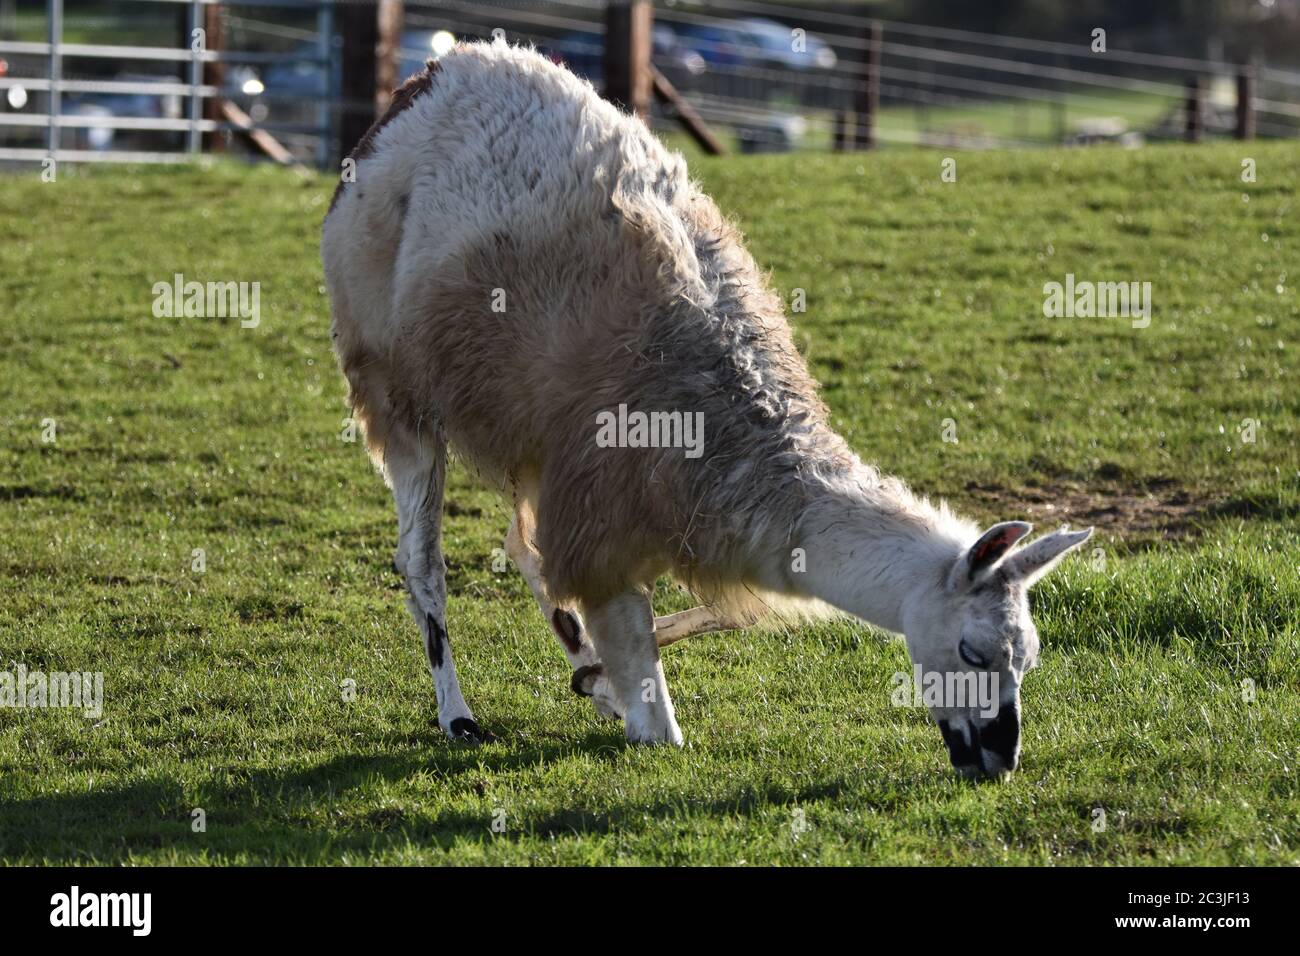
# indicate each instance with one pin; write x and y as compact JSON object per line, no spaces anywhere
{"x":610,"y":519}
{"x":625,"y":286}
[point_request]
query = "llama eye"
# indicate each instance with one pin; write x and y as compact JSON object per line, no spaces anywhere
{"x":969,"y":656}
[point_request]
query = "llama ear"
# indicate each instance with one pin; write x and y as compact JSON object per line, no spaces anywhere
{"x":1033,"y":561}
{"x":993,"y":545}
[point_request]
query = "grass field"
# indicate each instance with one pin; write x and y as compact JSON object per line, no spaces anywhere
{"x":1025,"y":120}
{"x":225,"y":689}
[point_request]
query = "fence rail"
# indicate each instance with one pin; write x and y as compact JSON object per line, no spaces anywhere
{"x":730,"y":72}
{"x":194,"y":88}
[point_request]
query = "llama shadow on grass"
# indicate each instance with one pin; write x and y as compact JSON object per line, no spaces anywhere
{"x":311,"y":814}
{"x":268,"y":815}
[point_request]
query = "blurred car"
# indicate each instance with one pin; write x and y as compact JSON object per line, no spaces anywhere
{"x":15,"y":95}
{"x":756,"y":42}
{"x":138,"y":105}
{"x":109,"y":106}
{"x":296,"y":75}
{"x":774,"y":46}
{"x":301,"y":75}
{"x":718,"y":44}
{"x":584,"y":54}
{"x":774,"y":133}
{"x":671,"y":52}
{"x":1097,"y":130}
{"x":581,"y":52}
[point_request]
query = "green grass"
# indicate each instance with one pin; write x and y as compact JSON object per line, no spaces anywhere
{"x":223,"y":689}
{"x":1025,"y":120}
{"x":1002,"y":121}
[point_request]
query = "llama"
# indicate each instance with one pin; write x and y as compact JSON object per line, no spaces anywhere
{"x":515,"y":260}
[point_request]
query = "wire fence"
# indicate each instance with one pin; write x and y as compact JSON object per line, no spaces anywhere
{"x":767,"y":76}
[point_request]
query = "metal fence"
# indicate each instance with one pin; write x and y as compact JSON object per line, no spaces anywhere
{"x":766,"y":75}
{"x":174,"y":104}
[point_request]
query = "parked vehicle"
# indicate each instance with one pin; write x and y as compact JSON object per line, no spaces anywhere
{"x":299,"y":74}
{"x":139,"y":105}
{"x":718,"y":45}
{"x":757,"y":42}
{"x":775,"y":133}
{"x":584,"y":54}
{"x":774,"y":45}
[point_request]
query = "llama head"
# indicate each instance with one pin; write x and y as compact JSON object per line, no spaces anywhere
{"x":973,"y":642}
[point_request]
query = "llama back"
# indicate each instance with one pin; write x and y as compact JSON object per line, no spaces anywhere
{"x":482,"y":217}
{"x":519,"y":257}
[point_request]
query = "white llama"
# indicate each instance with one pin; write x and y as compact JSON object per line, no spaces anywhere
{"x":517,"y":259}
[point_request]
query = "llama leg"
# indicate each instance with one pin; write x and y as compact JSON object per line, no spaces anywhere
{"x":623,"y":632}
{"x":588,"y":681}
{"x":672,"y":628}
{"x":417,"y":473}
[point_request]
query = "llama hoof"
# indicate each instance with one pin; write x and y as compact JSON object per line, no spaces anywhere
{"x":589,"y":681}
{"x":466,"y":729}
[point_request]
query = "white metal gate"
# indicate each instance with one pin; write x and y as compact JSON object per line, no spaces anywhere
{"x":186,"y":88}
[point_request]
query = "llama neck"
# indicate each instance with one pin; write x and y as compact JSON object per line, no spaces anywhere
{"x":872,"y":547}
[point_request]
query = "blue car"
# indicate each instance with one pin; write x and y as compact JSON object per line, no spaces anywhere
{"x":584,"y":54}
{"x":756,"y":42}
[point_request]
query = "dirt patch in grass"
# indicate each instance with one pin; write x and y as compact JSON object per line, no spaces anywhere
{"x":1159,"y":510}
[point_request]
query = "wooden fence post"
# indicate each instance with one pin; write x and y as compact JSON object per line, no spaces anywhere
{"x":1060,"y":126}
{"x":628,"y":28}
{"x":214,"y":74}
{"x":1195,"y":122}
{"x":691,"y":121}
{"x":388,"y":16}
{"x":841,"y":130}
{"x":1245,"y":128}
{"x":371,"y":38}
{"x":866,"y":95}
